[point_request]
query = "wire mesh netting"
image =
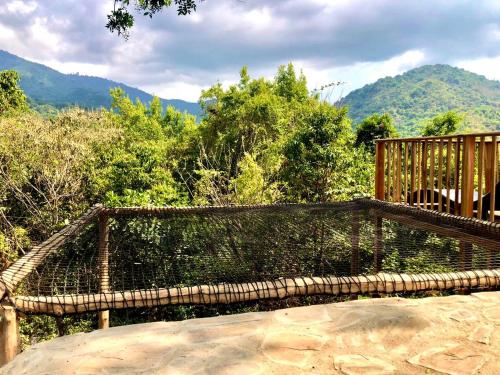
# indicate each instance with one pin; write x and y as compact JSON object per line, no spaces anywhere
{"x":150,"y":257}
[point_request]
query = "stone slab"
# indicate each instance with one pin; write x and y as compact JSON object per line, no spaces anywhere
{"x":448,"y":335}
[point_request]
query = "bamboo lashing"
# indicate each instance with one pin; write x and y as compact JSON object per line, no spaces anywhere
{"x":279,"y":288}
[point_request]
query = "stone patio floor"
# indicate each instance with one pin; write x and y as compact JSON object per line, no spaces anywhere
{"x":449,"y":335}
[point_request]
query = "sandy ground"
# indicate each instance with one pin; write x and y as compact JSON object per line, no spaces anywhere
{"x":450,"y":335}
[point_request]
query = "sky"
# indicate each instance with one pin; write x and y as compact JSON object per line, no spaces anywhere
{"x":353,"y":41}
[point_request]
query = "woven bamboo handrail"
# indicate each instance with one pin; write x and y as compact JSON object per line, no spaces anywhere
{"x":24,"y":265}
{"x":241,"y":292}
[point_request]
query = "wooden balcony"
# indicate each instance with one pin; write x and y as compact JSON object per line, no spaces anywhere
{"x":457,"y":174}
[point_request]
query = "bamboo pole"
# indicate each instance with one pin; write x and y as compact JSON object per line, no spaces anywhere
{"x":457,"y":178}
{"x":448,"y":176}
{"x":400,"y":167}
{"x":380,"y":170}
{"x":494,"y":175}
{"x":424,"y":184}
{"x":389,"y":157}
{"x":413,"y":173}
{"x":394,"y":172}
{"x":440,"y":176}
{"x":9,"y":334}
{"x":431,"y":173}
{"x":278,"y":288}
{"x":467,"y":193}
{"x":419,"y":171}
{"x":103,"y":266}
{"x":456,"y":233}
{"x":405,"y":186}
{"x":480,"y":173}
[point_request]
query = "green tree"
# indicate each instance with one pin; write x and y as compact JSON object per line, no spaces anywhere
{"x":289,"y":86}
{"x":252,"y":117}
{"x":12,"y":98}
{"x":121,"y":20}
{"x":319,"y":158}
{"x":443,"y":124}
{"x":374,"y":127}
{"x":141,"y":168}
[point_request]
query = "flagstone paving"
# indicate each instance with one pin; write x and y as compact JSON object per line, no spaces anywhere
{"x":435,"y":335}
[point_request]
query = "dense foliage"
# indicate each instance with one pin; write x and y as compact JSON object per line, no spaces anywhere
{"x":259,"y":141}
{"x":446,"y":123}
{"x":374,"y":127}
{"x":423,"y":93}
{"x":121,"y":19}
{"x":12,"y":98}
{"x":47,"y":88}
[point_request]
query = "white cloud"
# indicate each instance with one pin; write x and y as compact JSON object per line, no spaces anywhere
{"x":44,"y":38}
{"x":19,"y":7}
{"x":175,"y":90}
{"x":357,"y":41}
{"x":97,"y":70}
{"x":359,"y":74}
{"x":487,"y":66}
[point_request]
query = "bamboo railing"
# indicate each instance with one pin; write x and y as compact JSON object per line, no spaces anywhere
{"x":456,"y":174}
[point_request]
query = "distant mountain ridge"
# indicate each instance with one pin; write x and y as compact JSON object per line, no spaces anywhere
{"x":44,"y":85}
{"x":424,"y":92}
{"x":410,"y":98}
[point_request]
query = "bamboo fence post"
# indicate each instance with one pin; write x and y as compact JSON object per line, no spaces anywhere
{"x":103,"y":266}
{"x":419,"y":171}
{"x":394,"y":171}
{"x":389,"y":169}
{"x":9,"y":334}
{"x":440,"y":176}
{"x":448,"y":175}
{"x":413,"y":173}
{"x":480,"y":172}
{"x":380,"y":170}
{"x":405,"y":186}
{"x":399,"y":171}
{"x":431,"y":173}
{"x":424,"y":183}
{"x":458,"y":206}
{"x":488,"y":155}
{"x":467,"y":196}
{"x":493,"y":178}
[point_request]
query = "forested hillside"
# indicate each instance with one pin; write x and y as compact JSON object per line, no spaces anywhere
{"x":424,"y":92}
{"x":46,"y":86}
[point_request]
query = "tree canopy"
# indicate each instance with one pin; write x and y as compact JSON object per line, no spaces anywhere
{"x":12,"y":98}
{"x":121,"y":19}
{"x":443,"y":124}
{"x":374,"y":127}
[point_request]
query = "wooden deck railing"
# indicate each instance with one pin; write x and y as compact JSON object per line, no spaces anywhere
{"x":457,"y":174}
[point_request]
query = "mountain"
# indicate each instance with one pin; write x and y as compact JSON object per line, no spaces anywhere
{"x":426,"y":91}
{"x":44,"y":85}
